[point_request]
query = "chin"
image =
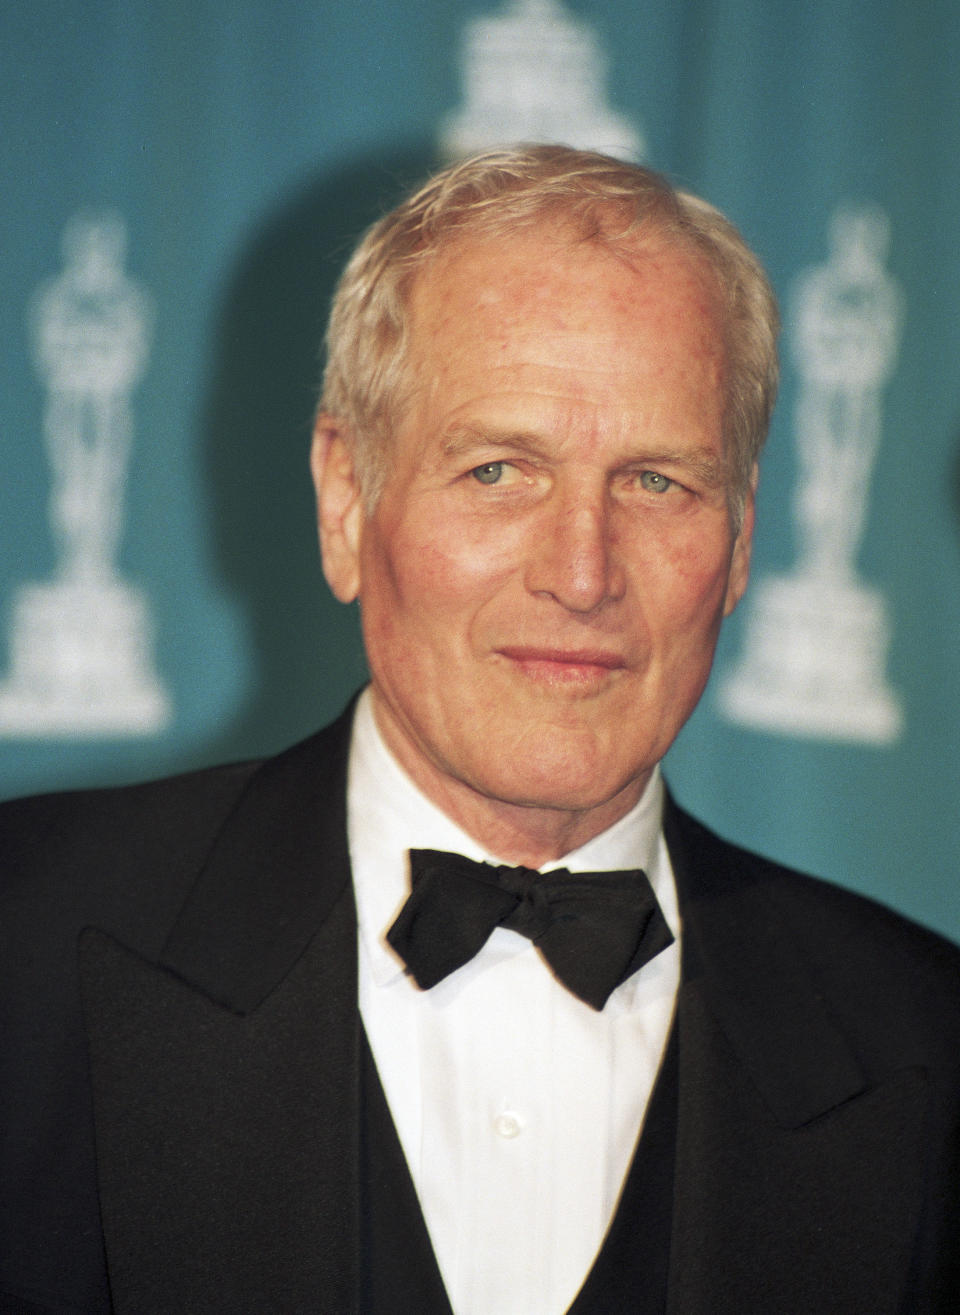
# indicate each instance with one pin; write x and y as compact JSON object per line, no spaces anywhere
{"x":564,"y":788}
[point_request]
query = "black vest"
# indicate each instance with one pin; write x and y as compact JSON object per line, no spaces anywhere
{"x":399,"y":1271}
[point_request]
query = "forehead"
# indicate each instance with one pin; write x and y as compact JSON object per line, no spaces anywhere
{"x":549,"y":282}
{"x":543,"y":309}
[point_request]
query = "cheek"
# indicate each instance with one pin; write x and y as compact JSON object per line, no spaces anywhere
{"x":423,"y":581}
{"x":454,"y":557}
{"x":685,"y":577}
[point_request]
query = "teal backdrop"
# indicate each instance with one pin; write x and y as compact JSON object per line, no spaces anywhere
{"x":243,"y":146}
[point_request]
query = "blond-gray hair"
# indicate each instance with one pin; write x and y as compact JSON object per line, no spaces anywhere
{"x":366,"y":383}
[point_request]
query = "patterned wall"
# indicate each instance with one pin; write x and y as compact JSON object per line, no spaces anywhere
{"x":181,"y":183}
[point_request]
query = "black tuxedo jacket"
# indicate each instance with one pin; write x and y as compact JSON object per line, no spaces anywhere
{"x":181,"y":1052}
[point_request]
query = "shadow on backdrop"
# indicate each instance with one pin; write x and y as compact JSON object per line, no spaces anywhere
{"x":305,"y":648}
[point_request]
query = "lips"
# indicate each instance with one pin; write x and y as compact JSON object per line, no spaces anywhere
{"x":566,"y":665}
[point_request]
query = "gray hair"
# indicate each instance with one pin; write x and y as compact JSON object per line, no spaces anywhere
{"x":366,"y":384}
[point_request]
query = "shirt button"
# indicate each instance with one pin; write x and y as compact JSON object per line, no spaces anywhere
{"x":508,"y":1124}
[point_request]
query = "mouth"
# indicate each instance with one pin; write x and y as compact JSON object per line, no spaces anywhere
{"x":562,"y":666}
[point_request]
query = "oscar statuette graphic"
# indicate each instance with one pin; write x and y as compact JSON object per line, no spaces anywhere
{"x":816,"y":640}
{"x":81,"y":644}
{"x":535,"y":73}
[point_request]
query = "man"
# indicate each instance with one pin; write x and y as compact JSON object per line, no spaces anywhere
{"x":245,"y":1072}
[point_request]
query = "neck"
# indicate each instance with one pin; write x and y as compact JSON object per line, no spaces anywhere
{"x":526,"y":835}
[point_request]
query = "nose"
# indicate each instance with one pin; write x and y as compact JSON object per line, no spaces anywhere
{"x":572,"y":556}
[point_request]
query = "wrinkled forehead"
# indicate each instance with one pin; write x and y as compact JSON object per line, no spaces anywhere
{"x":552,"y":274}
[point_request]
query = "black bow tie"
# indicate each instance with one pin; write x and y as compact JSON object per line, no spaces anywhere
{"x":593,"y":928}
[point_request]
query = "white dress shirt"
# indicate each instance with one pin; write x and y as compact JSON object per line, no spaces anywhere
{"x":516,"y":1104}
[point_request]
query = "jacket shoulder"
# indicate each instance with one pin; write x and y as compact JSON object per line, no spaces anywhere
{"x":725,"y":867}
{"x":88,"y":851}
{"x":124,"y":859}
{"x":884,"y":975}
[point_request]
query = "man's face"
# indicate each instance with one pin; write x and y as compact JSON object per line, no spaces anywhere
{"x":543,"y":579}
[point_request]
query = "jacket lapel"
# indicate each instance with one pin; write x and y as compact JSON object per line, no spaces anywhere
{"x":226,"y":1086}
{"x":226,"y":1075}
{"x":797,"y":1174}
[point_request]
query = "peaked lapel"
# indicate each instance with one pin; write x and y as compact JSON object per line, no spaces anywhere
{"x":797,"y":1175}
{"x":226,"y":1075}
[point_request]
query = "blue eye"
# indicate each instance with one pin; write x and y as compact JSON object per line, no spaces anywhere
{"x":488,"y":473}
{"x":654,"y":482}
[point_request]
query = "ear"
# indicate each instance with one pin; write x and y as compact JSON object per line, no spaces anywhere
{"x":340,"y":513}
{"x":740,"y":561}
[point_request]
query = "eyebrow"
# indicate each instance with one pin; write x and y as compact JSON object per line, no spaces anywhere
{"x":713,"y":470}
{"x":461,"y":439}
